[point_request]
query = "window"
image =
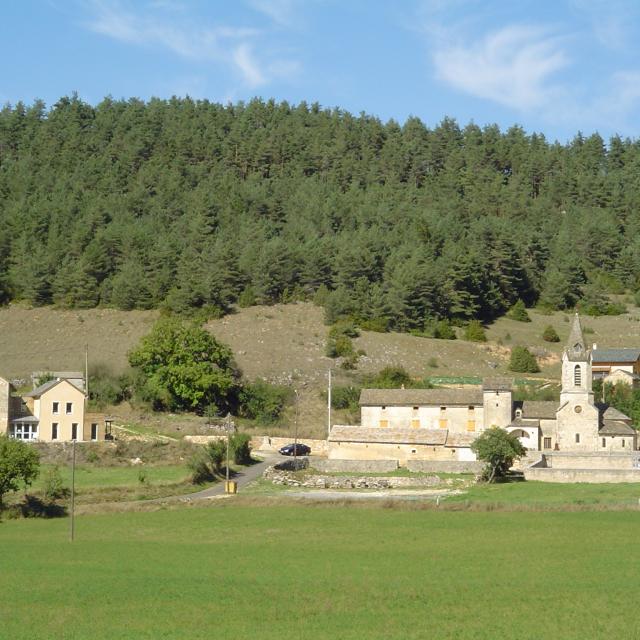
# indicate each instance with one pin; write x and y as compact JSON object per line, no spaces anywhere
{"x":24,"y":431}
{"x":74,"y":430}
{"x":547,"y":443}
{"x":56,"y":408}
{"x":384,"y":407}
{"x":69,"y":408}
{"x":623,"y":443}
{"x":384,"y":423}
{"x":604,"y":442}
{"x":471,"y":425}
{"x":415,"y":424}
{"x":94,"y":431}
{"x":518,"y":413}
{"x":577,"y":376}
{"x":577,"y":438}
{"x":54,"y":430}
{"x":415,"y":408}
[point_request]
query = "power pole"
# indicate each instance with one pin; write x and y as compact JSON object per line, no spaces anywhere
{"x":73,"y":487}
{"x":86,"y":370}
{"x":295,"y":440}
{"x":329,"y":407}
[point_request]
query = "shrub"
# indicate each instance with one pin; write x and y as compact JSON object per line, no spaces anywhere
{"x":550,"y":334}
{"x":198,"y":464}
{"x":54,"y":487}
{"x":240,"y":444}
{"x":263,"y":401}
{"x":105,"y":388}
{"x":340,"y":345}
{"x":523,"y":361}
{"x":247,"y":297}
{"x":345,"y":397}
{"x":379,"y":325}
{"x":444,"y":331}
{"x":519,"y":312}
{"x":19,"y":465}
{"x":474,"y":332}
{"x":433,"y":363}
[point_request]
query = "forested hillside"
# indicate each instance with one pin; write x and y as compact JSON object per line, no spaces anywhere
{"x":188,"y":204}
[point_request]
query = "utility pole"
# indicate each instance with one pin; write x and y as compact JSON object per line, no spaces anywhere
{"x":228,"y":429}
{"x":295,"y":440}
{"x":73,"y":487}
{"x":86,"y":370}
{"x":329,"y":407}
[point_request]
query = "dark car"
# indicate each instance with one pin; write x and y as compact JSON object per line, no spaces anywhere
{"x":295,"y":449}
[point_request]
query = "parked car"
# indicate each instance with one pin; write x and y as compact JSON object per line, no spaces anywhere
{"x":295,"y":449}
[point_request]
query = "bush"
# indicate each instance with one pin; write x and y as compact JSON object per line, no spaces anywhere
{"x":216,"y":452}
{"x":442,"y":330}
{"x":200,"y":469}
{"x":340,"y":345}
{"x":54,"y":487}
{"x":519,"y":312}
{"x":19,"y":465}
{"x":241,"y":446}
{"x":105,"y":388}
{"x":550,"y":334}
{"x":247,"y":298}
{"x":345,"y":397}
{"x":263,"y":401}
{"x":523,"y":361}
{"x":475,"y":332}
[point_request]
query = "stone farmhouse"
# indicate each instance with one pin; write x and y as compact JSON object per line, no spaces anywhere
{"x":53,"y":412}
{"x":614,"y":366}
{"x":441,"y":424}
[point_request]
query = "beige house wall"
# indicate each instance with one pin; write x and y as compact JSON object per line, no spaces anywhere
{"x":498,"y":409}
{"x":5,"y":395}
{"x":457,"y":419}
{"x":62,"y":393}
{"x":577,"y":417}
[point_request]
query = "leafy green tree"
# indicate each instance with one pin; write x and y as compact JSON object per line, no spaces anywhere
{"x":19,"y":465}
{"x":498,"y":449}
{"x":263,"y":401}
{"x":184,"y":367}
{"x":523,"y":361}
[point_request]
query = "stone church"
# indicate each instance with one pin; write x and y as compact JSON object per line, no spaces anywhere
{"x":441,"y":424}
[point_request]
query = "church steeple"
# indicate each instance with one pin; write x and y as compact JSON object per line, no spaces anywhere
{"x":576,"y":345}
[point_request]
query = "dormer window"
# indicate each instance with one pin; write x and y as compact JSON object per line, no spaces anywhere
{"x":577,"y":376}
{"x":518,"y":413}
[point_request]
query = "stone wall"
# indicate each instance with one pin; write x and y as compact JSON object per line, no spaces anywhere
{"x":558,"y":460}
{"x":444,"y":466}
{"x":270,"y":443}
{"x":355,"y":466}
{"x":4,"y":405}
{"x":582,"y":475}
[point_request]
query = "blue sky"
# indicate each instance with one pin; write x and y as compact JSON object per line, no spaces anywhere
{"x":551,"y":67}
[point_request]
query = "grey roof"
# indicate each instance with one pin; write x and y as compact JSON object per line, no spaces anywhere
{"x":615,"y":355}
{"x":611,"y":413}
{"x":497,"y":384}
{"x":460,"y":439}
{"x":340,"y":433}
{"x":543,"y":409}
{"x":27,"y":419}
{"x":616,"y":428}
{"x":417,"y":397}
{"x":520,"y":423}
{"x":576,"y":338}
{"x":43,"y":388}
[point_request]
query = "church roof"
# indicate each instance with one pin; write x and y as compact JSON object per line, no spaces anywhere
{"x":616,"y":428}
{"x":615,"y":355}
{"x":417,"y":397}
{"x":542,"y":409}
{"x":611,"y":413}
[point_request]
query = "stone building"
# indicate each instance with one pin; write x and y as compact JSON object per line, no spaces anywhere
{"x":441,"y":424}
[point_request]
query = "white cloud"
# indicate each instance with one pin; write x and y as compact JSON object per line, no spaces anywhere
{"x":222,"y":44}
{"x":280,"y":11}
{"x":512,"y":66}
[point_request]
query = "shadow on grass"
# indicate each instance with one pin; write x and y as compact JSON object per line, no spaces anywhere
{"x":34,"y":507}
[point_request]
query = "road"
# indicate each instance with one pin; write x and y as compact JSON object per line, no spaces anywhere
{"x":243,"y":478}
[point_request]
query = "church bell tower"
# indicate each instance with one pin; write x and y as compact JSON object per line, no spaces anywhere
{"x":576,"y":368}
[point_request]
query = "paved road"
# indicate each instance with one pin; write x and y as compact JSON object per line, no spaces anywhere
{"x":243,"y":478}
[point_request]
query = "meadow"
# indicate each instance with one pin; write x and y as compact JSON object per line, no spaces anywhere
{"x":245,"y":569}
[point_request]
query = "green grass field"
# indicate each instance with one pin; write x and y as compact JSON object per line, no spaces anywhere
{"x":244,"y":571}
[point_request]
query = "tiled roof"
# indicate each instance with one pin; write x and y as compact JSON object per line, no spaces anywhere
{"x":497,"y":384}
{"x":616,"y":428}
{"x":43,"y":388}
{"x":417,"y":397}
{"x":520,"y":423}
{"x":543,"y":409}
{"x":611,"y":413}
{"x":615,"y":355}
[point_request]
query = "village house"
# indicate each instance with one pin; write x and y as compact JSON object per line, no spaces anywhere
{"x":441,"y":424}
{"x":53,"y":412}
{"x":614,"y":366}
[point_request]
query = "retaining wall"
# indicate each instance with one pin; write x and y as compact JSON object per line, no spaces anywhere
{"x":270,"y":443}
{"x":444,"y":466}
{"x":355,"y":466}
{"x":542,"y":474}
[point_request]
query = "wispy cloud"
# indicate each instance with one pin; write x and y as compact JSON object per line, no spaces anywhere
{"x":222,"y":44}
{"x":513,"y":66}
{"x":282,"y":12}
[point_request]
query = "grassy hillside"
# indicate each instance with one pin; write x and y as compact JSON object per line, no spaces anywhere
{"x":286,"y":344}
{"x":321,"y":572}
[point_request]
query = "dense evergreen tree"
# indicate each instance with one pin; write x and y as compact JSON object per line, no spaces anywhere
{"x":192,"y":204}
